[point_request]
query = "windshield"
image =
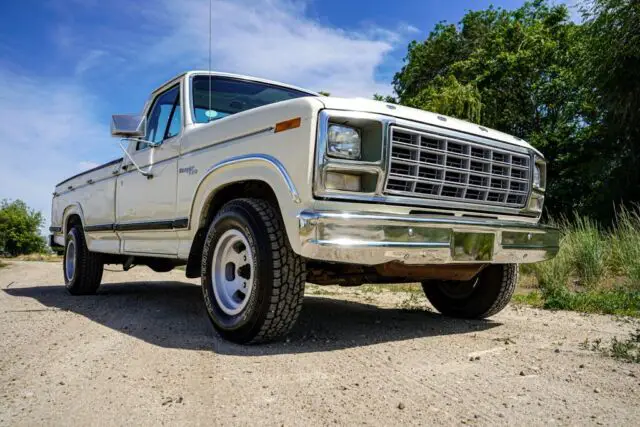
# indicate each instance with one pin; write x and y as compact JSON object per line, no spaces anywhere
{"x":231,"y":96}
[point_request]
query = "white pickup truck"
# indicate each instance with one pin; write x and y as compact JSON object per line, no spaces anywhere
{"x":258,"y":187}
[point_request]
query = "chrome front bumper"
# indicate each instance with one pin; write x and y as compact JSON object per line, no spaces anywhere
{"x":370,"y":239}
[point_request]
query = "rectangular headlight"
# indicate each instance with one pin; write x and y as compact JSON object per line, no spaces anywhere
{"x":344,"y":142}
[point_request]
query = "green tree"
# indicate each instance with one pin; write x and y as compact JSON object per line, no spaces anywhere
{"x":384,"y":98}
{"x":448,"y":96}
{"x":612,"y":71}
{"x":570,"y":90}
{"x":19,"y":228}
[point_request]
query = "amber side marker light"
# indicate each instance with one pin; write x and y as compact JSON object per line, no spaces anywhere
{"x":288,"y":125}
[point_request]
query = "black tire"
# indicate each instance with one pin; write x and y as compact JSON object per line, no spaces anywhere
{"x":278,"y":278}
{"x":86,"y":275}
{"x":478,"y":298}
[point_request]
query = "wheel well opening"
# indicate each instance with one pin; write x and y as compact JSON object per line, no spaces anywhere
{"x":238,"y":190}
{"x":74,"y":219}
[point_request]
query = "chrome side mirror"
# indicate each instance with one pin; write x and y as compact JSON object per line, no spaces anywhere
{"x":131,"y":127}
{"x":128,"y":126}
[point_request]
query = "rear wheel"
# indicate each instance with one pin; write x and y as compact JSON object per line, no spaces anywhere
{"x":252,"y":281}
{"x":82,"y":268}
{"x":481,"y":297}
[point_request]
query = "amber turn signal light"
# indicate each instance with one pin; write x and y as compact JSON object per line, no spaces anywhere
{"x":288,"y":125}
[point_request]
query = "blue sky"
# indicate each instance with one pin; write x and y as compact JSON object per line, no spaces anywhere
{"x":67,"y":65}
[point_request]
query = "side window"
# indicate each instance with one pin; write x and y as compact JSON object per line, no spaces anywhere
{"x":176,"y":121}
{"x":165,"y":119}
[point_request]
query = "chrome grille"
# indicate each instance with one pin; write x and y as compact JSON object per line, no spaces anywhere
{"x":432,"y":166}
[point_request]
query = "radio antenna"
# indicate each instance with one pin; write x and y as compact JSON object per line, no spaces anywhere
{"x":208,"y":111}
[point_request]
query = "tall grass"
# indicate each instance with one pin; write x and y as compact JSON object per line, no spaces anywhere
{"x":587,"y":251}
{"x":595,"y":270}
{"x":625,"y":247}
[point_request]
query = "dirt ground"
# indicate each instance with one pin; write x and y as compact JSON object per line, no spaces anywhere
{"x":142,"y":352}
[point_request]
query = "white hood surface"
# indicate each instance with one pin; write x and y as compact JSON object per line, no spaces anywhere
{"x":414,"y":114}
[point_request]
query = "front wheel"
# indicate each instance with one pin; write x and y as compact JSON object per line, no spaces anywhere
{"x":252,"y":281}
{"x":481,"y":297}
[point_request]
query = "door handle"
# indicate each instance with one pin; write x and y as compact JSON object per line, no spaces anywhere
{"x":125,"y":167}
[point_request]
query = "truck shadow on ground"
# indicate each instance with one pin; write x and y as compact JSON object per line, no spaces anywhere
{"x":172,"y":315}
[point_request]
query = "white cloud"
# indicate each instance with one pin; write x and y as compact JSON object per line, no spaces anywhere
{"x":272,"y":39}
{"x":89,"y":61}
{"x":46,"y":131}
{"x":410,"y":28}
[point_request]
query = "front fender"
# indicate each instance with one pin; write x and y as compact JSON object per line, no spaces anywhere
{"x":259,"y":167}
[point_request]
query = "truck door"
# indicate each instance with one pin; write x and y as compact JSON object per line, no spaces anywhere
{"x":146,"y":206}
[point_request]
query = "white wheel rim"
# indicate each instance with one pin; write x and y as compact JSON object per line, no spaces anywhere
{"x":70,"y":260}
{"x":232,"y":272}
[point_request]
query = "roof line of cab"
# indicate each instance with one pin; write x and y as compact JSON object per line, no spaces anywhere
{"x":189,"y":74}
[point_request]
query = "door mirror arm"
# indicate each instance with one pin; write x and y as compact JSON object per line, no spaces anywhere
{"x":147,"y":173}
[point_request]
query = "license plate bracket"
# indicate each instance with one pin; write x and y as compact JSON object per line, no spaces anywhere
{"x":471,"y":246}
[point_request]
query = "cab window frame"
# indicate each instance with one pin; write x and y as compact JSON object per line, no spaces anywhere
{"x":141,"y":145}
{"x":192,"y":102}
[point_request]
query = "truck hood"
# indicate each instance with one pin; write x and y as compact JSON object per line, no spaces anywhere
{"x":422,"y":116}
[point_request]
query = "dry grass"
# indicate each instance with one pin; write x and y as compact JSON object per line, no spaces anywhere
{"x":39,"y":257}
{"x":396,"y":287}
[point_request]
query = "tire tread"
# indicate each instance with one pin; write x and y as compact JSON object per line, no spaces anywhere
{"x":287,"y":271}
{"x":289,"y":277}
{"x":508,"y":283}
{"x":89,"y":267}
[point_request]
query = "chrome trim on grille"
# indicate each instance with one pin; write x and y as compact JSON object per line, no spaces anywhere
{"x":323,"y":163}
{"x":433,"y":166}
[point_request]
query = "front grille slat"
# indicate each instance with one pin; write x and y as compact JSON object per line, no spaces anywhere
{"x":431,"y":166}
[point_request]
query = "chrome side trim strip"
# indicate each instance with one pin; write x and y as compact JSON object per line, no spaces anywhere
{"x":225,"y":141}
{"x":250,"y":158}
{"x":187,"y":153}
{"x":111,"y":163}
{"x":88,"y":183}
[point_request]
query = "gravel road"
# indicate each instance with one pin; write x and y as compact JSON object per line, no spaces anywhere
{"x":142,"y":352}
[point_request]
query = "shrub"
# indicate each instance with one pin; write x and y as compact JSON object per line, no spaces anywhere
{"x":619,"y":301}
{"x":627,"y":350}
{"x":19,"y":229}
